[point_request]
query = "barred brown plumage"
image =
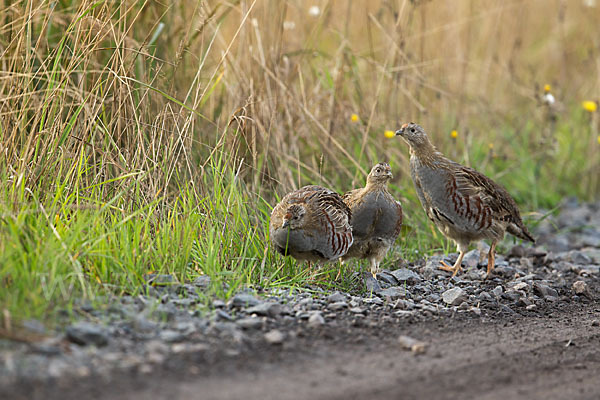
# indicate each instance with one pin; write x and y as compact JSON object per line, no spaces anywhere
{"x":464,"y":204}
{"x":376,"y":218}
{"x":311,"y":223}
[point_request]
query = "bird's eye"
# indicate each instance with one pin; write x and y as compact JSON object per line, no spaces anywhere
{"x":412,"y":130}
{"x":378,"y":170}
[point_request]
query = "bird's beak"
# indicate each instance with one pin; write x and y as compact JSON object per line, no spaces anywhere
{"x":400,"y":132}
{"x":389,"y":173}
{"x":286,"y":223}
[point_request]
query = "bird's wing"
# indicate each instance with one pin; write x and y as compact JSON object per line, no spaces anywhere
{"x":497,"y":204}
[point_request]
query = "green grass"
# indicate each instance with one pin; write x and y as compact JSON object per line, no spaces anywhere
{"x":142,"y":138}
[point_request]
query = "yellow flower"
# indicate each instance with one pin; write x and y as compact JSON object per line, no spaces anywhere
{"x":454,"y":134}
{"x":354,"y":118}
{"x":389,"y":134}
{"x":491,"y":146}
{"x":547,"y":88}
{"x":598,"y":139}
{"x":589,"y":105}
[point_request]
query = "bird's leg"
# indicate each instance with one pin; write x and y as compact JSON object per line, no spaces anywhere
{"x":456,"y":267}
{"x":491,"y":259}
{"x":340,"y":263}
{"x":374,"y":267}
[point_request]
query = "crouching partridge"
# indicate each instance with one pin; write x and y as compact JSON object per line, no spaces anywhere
{"x":464,"y":204}
{"x":376,"y":218}
{"x":311,"y":223}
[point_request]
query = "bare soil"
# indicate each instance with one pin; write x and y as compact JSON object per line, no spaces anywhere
{"x":554,"y":354}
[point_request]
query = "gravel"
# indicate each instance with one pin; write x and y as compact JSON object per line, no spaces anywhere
{"x":170,"y":317}
{"x":85,"y":333}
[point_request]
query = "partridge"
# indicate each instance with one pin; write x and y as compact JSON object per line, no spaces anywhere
{"x":376,"y":218}
{"x":464,"y":204}
{"x":311,"y":223}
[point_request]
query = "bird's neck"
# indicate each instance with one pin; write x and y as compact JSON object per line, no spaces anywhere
{"x":426,"y":153}
{"x":376,"y":185}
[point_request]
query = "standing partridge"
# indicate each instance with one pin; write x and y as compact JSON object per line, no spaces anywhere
{"x":376,"y":218}
{"x":464,"y":204}
{"x":311,"y":223}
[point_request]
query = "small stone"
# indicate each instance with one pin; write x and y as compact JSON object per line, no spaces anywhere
{"x":245,"y":300}
{"x":86,"y":333}
{"x":454,"y":296}
{"x":544,"y":290}
{"x":316,"y":320}
{"x":274,"y":336}
{"x":357,"y":310}
{"x":578,"y":257}
{"x":406,"y":275}
{"x":595,"y":323}
{"x":497,"y":291}
{"x":267,"y":309}
{"x":340,"y":305}
{"x":471,"y":259}
{"x":170,"y":336}
{"x":372,"y":285}
{"x":485,"y":296}
{"x":336,"y":297}
{"x":386,"y":277}
{"x":249,"y":323}
{"x":520,"y":286}
{"x":217,"y":303}
{"x":142,"y":324}
{"x":414,"y":345}
{"x":202,"y":281}
{"x":222,"y":314}
{"x":580,"y":287}
{"x":373,"y":300}
{"x":393,"y":292}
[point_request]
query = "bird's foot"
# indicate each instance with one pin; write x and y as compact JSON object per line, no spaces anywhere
{"x":454,"y":269}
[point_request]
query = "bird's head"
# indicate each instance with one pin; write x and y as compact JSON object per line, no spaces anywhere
{"x":414,"y":135}
{"x":294,"y":216}
{"x":380,"y":173}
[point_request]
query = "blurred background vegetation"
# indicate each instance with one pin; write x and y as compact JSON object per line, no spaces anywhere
{"x":144,"y":136}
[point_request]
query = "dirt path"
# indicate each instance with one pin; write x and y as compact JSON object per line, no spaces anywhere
{"x":495,"y":360}
{"x":507,"y":357}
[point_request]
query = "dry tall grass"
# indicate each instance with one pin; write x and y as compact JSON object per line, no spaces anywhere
{"x":147,"y":113}
{"x":277,"y":83}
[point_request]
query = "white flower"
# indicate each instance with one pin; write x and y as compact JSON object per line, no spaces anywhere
{"x":314,"y":11}
{"x":549,"y":98}
{"x":589,"y":3}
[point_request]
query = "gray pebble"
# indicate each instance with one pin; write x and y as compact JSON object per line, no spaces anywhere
{"x":316,"y":320}
{"x":170,"y":336}
{"x":86,"y":333}
{"x":497,"y":291}
{"x":336,"y":297}
{"x":393,"y":292}
{"x":544,"y":290}
{"x":406,"y":275}
{"x":454,"y":296}
{"x":275,"y":336}
{"x":244,"y":300}
{"x":202,"y":281}
{"x":268,"y":309}
{"x":372,"y":284}
{"x":250,"y":323}
{"x":337,"y":306}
